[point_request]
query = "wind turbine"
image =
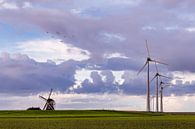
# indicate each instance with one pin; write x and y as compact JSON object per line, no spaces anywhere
{"x":157,"y":76}
{"x":147,"y":63}
{"x":162,"y":86}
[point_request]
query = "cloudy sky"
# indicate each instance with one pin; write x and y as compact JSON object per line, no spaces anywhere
{"x":90,"y":51}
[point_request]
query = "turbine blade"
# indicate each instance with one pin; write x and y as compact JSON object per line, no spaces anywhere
{"x":176,"y":77}
{"x":160,"y":78}
{"x":153,"y":78}
{"x":165,"y":76}
{"x":147,"y":48}
{"x":167,"y":84}
{"x":41,"y":97}
{"x":159,"y":62}
{"x":142,"y":68}
{"x":156,"y":67}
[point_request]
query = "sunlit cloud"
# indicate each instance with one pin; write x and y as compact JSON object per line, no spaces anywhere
{"x":52,"y":49}
{"x":8,"y":5}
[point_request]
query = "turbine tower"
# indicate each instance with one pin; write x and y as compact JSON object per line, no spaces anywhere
{"x":162,"y":86}
{"x":158,"y":76}
{"x":147,"y":63}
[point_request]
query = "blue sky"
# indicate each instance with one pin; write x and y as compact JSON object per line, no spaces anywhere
{"x":86,"y":48}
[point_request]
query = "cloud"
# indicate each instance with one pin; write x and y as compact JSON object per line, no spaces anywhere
{"x":51,"y":49}
{"x":14,"y":4}
{"x":8,"y":5}
{"x":104,"y":81}
{"x":98,"y":85}
{"x":88,"y":33}
{"x":22,"y":76}
{"x":121,"y":30}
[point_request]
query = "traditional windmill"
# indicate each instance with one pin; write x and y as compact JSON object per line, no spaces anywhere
{"x":50,"y":103}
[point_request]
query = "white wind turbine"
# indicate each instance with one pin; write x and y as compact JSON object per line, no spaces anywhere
{"x":147,"y":63}
{"x":157,"y":77}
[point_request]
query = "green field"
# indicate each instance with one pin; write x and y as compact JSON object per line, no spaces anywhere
{"x":94,"y":119}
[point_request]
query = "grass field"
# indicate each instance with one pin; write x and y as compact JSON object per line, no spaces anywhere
{"x":94,"y":119}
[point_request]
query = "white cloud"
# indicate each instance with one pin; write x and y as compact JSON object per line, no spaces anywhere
{"x":172,"y":28}
{"x":8,"y":5}
{"x":109,"y":37}
{"x":149,"y":28}
{"x":76,"y":11}
{"x":131,"y":2}
{"x":27,"y":5}
{"x":51,"y":49}
{"x":184,"y":77}
{"x":115,"y":55}
{"x":83,"y":74}
{"x":190,"y":29}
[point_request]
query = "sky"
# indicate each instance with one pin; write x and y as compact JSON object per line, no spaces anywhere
{"x":90,"y":52}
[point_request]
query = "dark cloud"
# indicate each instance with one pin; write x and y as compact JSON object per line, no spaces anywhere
{"x":132,"y":85}
{"x":180,"y":88}
{"x":121,"y":64}
{"x":22,"y":75}
{"x":115,"y":64}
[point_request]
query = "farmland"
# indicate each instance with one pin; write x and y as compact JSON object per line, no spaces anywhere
{"x":94,"y":119}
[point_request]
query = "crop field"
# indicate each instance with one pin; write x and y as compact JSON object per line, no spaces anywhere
{"x":95,"y":119}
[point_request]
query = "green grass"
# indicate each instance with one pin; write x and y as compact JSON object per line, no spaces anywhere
{"x":94,"y":119}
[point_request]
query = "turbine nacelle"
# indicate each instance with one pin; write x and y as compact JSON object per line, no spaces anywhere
{"x":149,"y":59}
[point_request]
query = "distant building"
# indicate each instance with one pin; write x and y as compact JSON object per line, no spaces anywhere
{"x":34,"y":108}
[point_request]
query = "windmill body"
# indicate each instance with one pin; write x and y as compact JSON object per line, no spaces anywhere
{"x":50,"y":104}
